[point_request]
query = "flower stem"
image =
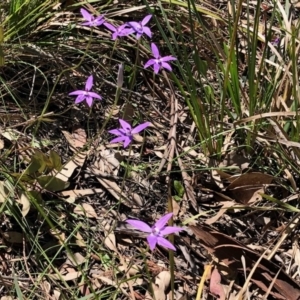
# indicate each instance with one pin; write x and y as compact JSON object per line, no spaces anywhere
{"x":171,"y":239}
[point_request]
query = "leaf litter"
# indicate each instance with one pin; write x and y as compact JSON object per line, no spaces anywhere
{"x":90,"y":194}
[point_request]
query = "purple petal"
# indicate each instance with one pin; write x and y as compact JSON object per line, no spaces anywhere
{"x":146,"y":20}
{"x":126,"y":126}
{"x":168,"y":58}
{"x":110,"y":27}
{"x":89,"y":101}
{"x":88,"y":23}
{"x":122,"y":27}
{"x":160,"y":224}
{"x":147,"y":31}
{"x":170,"y":229}
{"x":152,"y":240}
{"x":140,"y":127}
{"x":89,"y":83}
{"x":138,"y":36}
{"x":118,"y":139}
{"x":142,"y":226}
{"x":149,"y":63}
{"x":78,"y":92}
{"x":126,"y":31}
{"x":127,"y":141}
{"x":116,"y":132}
{"x":86,"y":15}
{"x":165,"y":243}
{"x":99,"y":22}
{"x":155,"y":50}
{"x":94,"y":95}
{"x":135,"y":25}
{"x":114,"y":36}
{"x":79,"y":99}
{"x":156,"y":68}
{"x":166,"y":66}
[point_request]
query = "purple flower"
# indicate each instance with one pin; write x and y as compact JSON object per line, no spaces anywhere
{"x":90,"y":19}
{"x":86,"y":95}
{"x":157,"y":231}
{"x":140,"y":28}
{"x":121,"y":30}
{"x":125,"y":134}
{"x":158,"y":62}
{"x":276,"y":41}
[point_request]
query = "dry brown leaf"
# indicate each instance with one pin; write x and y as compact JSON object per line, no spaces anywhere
{"x":244,"y":188}
{"x":158,"y":154}
{"x":23,"y":200}
{"x":13,"y":237}
{"x":59,"y":235}
{"x":80,"y":193}
{"x":136,"y":177}
{"x":46,"y":287}
{"x":4,"y":191}
{"x":110,"y":241}
{"x":234,"y":159}
{"x":229,"y":251}
{"x":69,"y":168}
{"x":182,"y":116}
{"x":215,"y":286}
{"x":217,"y":179}
{"x":70,"y":199}
{"x":67,"y":171}
{"x":116,"y":191}
{"x":77,"y":139}
{"x":106,"y":280}
{"x":291,"y":179}
{"x":71,"y":275}
{"x":80,"y":241}
{"x":85,"y":209}
{"x":84,"y":289}
{"x":162,"y":282}
{"x":56,"y":294}
{"x":108,"y":164}
{"x":163,"y":279}
{"x":67,"y":273}
{"x":223,"y":174}
{"x":129,"y":268}
{"x":76,"y":259}
{"x":11,"y":134}
{"x":176,"y":207}
{"x":255,"y":178}
{"x":79,"y":135}
{"x":220,"y":213}
{"x":246,"y":194}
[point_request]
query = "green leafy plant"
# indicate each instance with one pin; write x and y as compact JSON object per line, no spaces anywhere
{"x":179,"y":188}
{"x":39,"y":167}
